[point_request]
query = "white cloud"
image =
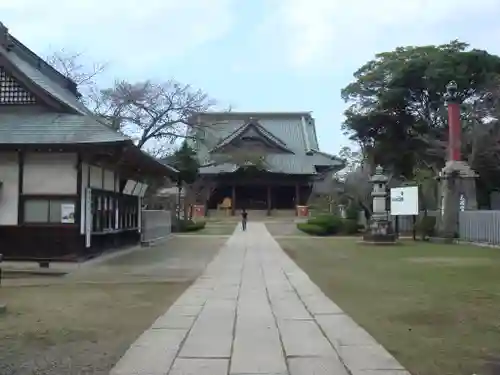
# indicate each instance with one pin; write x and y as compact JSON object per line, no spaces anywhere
{"x":315,"y":33}
{"x":124,"y":32}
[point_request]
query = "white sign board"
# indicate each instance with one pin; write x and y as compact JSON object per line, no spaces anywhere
{"x":129,"y":187}
{"x":404,"y":201}
{"x":68,"y":213}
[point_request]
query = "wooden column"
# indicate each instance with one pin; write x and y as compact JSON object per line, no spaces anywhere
{"x":233,"y":201}
{"x":20,"y":183}
{"x":207,"y":198}
{"x":297,"y":198}
{"x":269,"y":204}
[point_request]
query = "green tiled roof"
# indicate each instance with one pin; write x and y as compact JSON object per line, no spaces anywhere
{"x":53,"y":128}
{"x":296,"y":130}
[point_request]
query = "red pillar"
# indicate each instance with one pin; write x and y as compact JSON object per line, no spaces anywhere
{"x":454,"y":123}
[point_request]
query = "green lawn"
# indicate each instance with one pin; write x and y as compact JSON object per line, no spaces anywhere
{"x":435,"y":307}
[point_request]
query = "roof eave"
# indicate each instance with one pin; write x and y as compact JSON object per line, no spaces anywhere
{"x":239,"y":114}
{"x":265,"y":133}
{"x":152,"y":162}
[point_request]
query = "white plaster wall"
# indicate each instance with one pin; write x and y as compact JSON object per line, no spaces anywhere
{"x":109,"y":180}
{"x":50,"y":173}
{"x":117,"y":183}
{"x":95,"y":177}
{"x":9,"y":192}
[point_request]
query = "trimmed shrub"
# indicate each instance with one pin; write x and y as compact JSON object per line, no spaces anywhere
{"x":330,"y":223}
{"x":194,"y":226}
{"x":426,"y":226}
{"x":180,"y":226}
{"x":350,"y":226}
{"x":312,"y":229}
{"x":352,"y":211}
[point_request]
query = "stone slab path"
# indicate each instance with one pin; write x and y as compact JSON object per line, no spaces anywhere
{"x":254,"y":311}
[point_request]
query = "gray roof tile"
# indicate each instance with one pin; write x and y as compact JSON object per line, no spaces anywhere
{"x":52,"y":88}
{"x":244,"y":127}
{"x":28,"y":126}
{"x":52,"y":128}
{"x":289,"y":129}
{"x":23,"y":126}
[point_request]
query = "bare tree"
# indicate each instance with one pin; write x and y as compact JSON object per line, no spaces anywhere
{"x":357,"y":187}
{"x":71,"y":65}
{"x":152,"y":111}
{"x":352,"y":159}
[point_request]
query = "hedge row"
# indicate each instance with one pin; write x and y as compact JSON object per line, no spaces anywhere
{"x":182,"y":226}
{"x":329,"y":225}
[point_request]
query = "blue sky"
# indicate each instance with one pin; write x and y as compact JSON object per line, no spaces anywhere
{"x":255,"y":55}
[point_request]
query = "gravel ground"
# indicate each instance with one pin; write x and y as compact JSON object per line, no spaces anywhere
{"x":84,"y":322}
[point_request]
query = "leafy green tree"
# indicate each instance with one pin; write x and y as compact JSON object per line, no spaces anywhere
{"x":396,"y":100}
{"x":186,"y":162}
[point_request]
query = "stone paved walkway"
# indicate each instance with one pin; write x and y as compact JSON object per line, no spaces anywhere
{"x":254,"y":311}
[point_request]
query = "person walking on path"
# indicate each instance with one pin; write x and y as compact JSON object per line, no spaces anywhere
{"x":244,"y":216}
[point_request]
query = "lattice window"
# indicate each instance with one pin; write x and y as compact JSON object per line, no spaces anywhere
{"x":11,"y":92}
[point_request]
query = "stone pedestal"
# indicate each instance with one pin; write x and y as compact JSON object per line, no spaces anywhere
{"x":458,"y":192}
{"x":302,"y":211}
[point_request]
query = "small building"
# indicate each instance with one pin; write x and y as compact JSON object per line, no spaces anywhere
{"x":70,"y":186}
{"x":265,"y":161}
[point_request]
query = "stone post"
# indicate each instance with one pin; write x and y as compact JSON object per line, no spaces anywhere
{"x":3,"y":306}
{"x":457,"y":179}
{"x":342,"y":211}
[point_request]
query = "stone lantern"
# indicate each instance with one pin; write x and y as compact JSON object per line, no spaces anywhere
{"x":380,"y":230}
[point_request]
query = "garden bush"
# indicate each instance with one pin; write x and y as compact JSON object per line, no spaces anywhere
{"x":194,"y":226}
{"x":350,"y":226}
{"x":426,"y":226}
{"x":330,"y":223}
{"x":352,"y":211}
{"x":187,"y":225}
{"x":312,"y":229}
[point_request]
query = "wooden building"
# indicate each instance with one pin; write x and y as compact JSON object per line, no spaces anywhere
{"x":260,"y":161}
{"x":70,"y":186}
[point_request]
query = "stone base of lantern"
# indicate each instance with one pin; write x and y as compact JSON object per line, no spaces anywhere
{"x":380,"y":232}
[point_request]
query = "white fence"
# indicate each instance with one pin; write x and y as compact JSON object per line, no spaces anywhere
{"x":481,"y":226}
{"x":156,"y":225}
